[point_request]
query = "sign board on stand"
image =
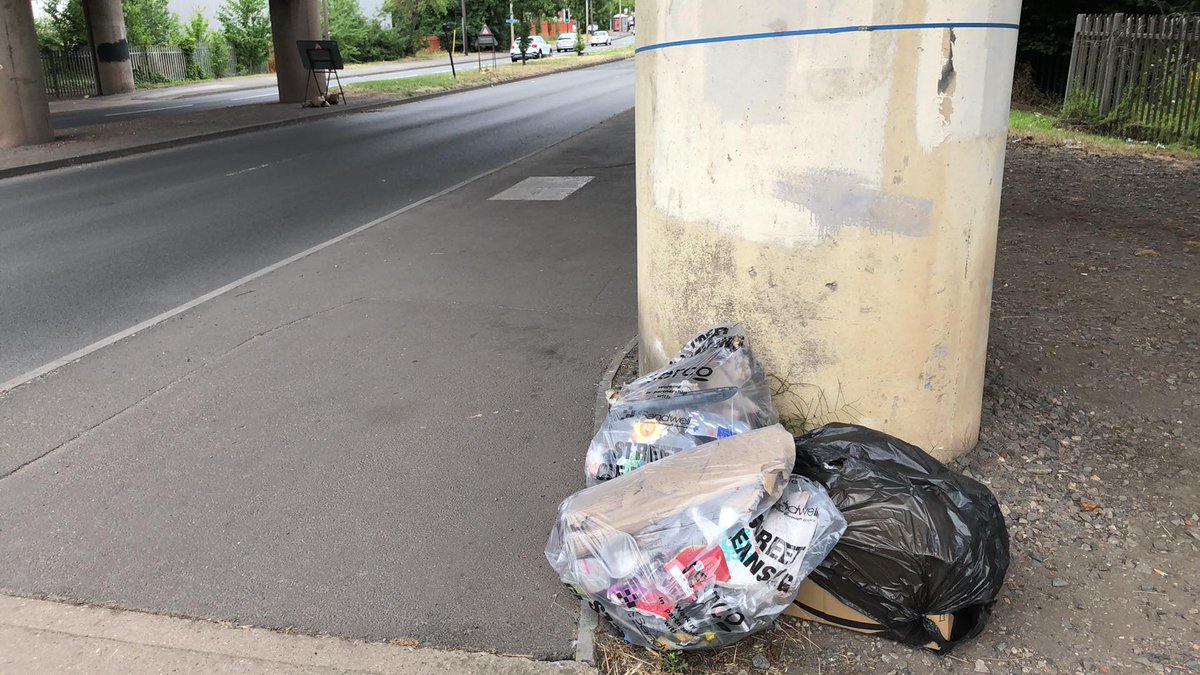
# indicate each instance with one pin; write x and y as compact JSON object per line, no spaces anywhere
{"x":322,"y":56}
{"x":485,"y":40}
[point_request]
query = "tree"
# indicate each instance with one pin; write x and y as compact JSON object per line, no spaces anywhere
{"x":1049,"y":27}
{"x":45,"y":32}
{"x":66,"y":24}
{"x":413,"y":20}
{"x":195,"y":32}
{"x":218,"y":53}
{"x":151,"y":22}
{"x":523,"y":43}
{"x":351,"y":29}
{"x":247,"y":27}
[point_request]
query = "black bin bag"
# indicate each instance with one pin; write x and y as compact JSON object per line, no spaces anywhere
{"x":920,"y":540}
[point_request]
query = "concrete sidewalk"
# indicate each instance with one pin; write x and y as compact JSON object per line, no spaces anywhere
{"x":370,"y":442}
{"x":233,"y":84}
{"x":38,"y":637}
{"x":93,"y":143}
{"x":41,"y":638}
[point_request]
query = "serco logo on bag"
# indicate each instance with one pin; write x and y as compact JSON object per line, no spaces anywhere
{"x":699,"y":374}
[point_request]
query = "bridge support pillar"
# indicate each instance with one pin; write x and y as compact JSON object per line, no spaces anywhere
{"x":828,"y":174}
{"x":293,"y":20}
{"x":106,"y":20}
{"x":24,"y":112}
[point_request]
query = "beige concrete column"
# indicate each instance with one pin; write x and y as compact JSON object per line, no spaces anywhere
{"x":293,"y":20}
{"x":24,"y":111}
{"x":107,"y":23}
{"x":831,"y":179}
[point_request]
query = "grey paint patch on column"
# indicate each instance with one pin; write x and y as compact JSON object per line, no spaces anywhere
{"x":543,"y":188}
{"x":839,"y":199}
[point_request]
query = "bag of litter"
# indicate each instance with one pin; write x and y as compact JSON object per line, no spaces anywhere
{"x":714,"y":388}
{"x":921,"y":541}
{"x":699,"y":549}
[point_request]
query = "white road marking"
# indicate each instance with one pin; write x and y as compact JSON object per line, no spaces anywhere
{"x":544,"y":188}
{"x":253,"y":168}
{"x":148,"y":323}
{"x":247,"y":98}
{"x":146,"y":110}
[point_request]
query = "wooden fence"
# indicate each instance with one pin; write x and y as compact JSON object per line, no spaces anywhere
{"x":1138,"y":76}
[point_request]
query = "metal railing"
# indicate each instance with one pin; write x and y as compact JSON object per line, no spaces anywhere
{"x":70,"y":73}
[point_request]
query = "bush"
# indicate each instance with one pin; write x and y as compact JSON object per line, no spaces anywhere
{"x":142,"y":77}
{"x":218,"y":54}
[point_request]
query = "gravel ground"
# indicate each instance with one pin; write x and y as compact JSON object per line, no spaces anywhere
{"x":1090,"y":438}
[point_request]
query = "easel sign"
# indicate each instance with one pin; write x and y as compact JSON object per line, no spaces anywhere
{"x":485,"y":40}
{"x":322,"y":56}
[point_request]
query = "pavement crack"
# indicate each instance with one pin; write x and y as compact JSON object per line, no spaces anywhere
{"x":262,"y":334}
{"x":203,"y":366}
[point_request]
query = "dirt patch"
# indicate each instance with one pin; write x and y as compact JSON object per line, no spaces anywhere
{"x":1090,"y":439}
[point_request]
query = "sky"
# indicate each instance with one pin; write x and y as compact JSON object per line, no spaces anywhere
{"x":184,"y":8}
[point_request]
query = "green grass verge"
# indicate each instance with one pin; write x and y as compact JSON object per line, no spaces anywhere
{"x":1044,"y":127}
{"x":1039,"y":126}
{"x":505,"y":70}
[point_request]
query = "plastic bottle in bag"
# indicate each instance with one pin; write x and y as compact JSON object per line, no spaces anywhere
{"x":715,"y":388}
{"x":699,"y":549}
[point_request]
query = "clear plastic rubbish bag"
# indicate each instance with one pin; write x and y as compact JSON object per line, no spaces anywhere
{"x":714,"y":388}
{"x":700,"y":549}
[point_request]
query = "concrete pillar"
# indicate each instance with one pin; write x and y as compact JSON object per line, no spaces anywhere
{"x":293,"y":20}
{"x":106,"y":21}
{"x":835,"y":188}
{"x":24,"y":111}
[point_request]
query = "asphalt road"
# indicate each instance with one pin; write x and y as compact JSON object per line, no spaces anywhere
{"x":89,"y":251}
{"x":164,"y":105}
{"x":367,"y":442}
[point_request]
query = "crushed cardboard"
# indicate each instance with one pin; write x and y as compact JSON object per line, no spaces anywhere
{"x":814,"y":603}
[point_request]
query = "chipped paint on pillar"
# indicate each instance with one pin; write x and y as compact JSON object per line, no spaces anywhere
{"x":837,"y":193}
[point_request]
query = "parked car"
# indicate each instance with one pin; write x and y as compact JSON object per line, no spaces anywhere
{"x":600,"y":37}
{"x":565,"y":43}
{"x":538,"y":47}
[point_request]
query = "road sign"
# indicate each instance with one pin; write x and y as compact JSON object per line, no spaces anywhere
{"x":511,"y":22}
{"x":320,"y":54}
{"x":485,"y":38}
